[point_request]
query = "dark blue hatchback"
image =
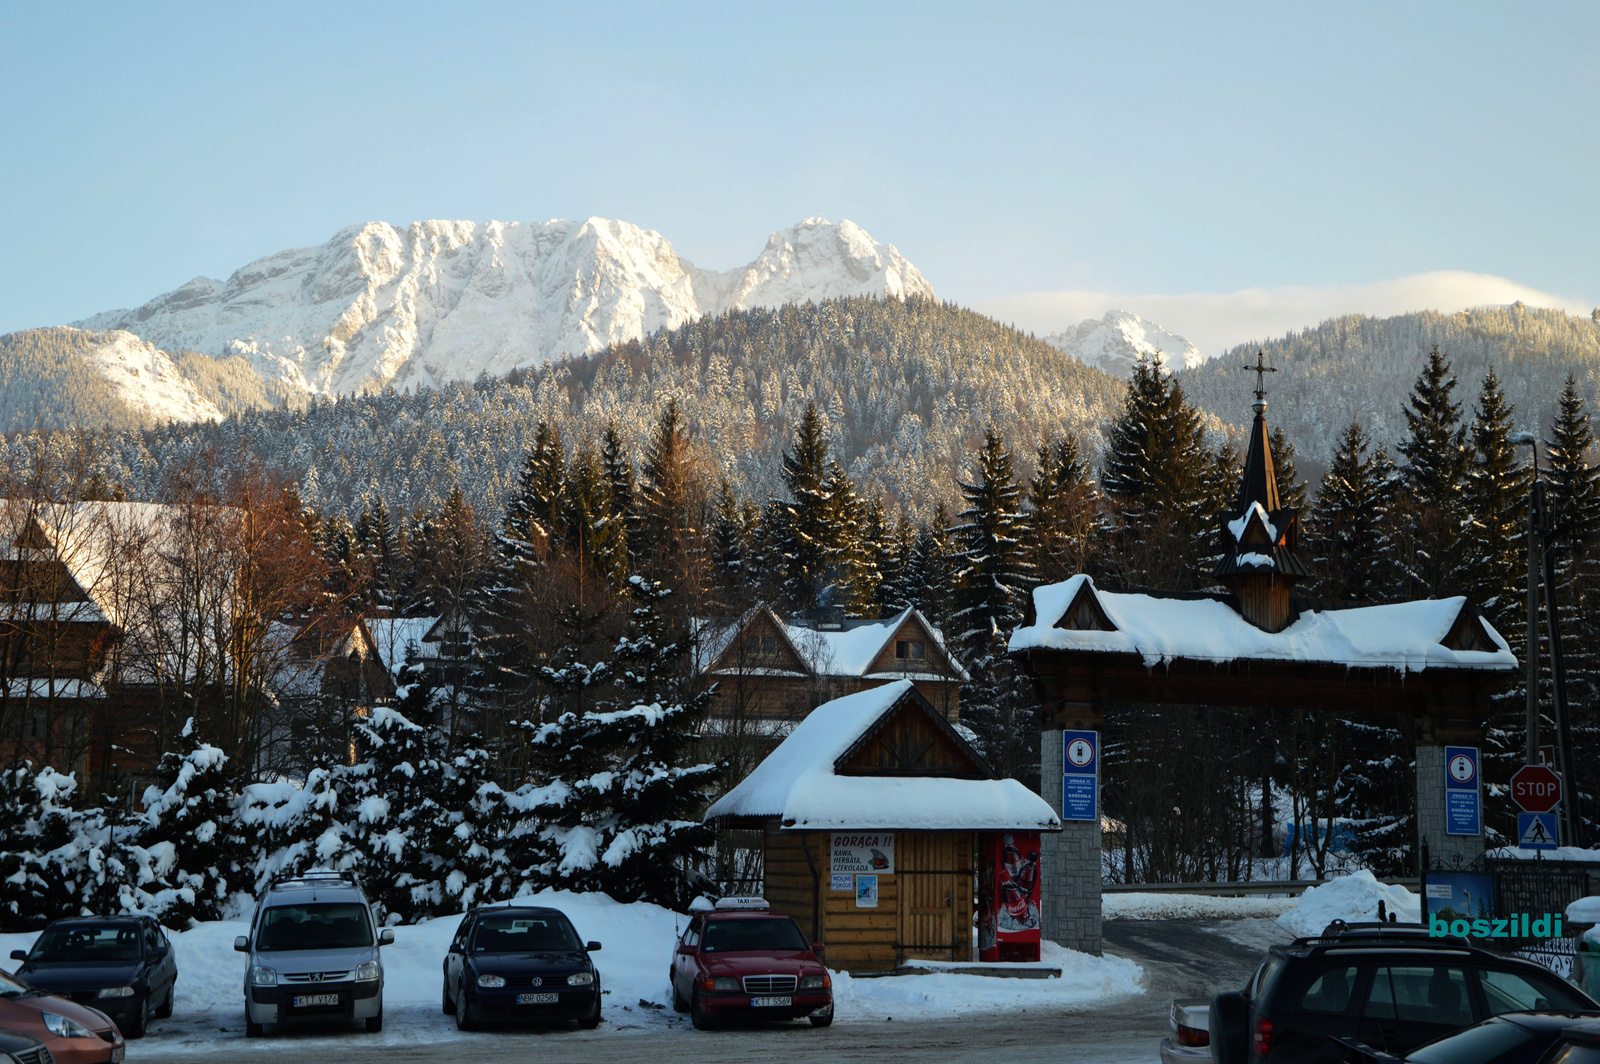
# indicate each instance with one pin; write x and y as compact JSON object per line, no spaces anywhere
{"x":510,"y":962}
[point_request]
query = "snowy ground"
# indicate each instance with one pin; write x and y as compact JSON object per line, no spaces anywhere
{"x":638,"y":941}
{"x":1163,"y":906}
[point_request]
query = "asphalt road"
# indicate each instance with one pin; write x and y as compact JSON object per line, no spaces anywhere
{"x":1181,"y":958}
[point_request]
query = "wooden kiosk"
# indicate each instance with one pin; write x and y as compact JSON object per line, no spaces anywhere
{"x":872,"y":814}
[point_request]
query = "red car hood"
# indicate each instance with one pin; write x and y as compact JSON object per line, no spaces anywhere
{"x":24,"y":1013}
{"x":800,"y":962}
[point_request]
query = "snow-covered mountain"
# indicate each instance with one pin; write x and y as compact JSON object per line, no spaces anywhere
{"x":1114,"y":342}
{"x":147,"y":378}
{"x":445,"y":301}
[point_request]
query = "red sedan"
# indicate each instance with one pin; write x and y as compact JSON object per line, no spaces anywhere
{"x":743,"y":961}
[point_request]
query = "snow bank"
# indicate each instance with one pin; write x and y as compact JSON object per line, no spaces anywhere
{"x":1085,"y":980}
{"x":1349,"y":898}
{"x":1584,"y":911}
{"x":1161,"y":906}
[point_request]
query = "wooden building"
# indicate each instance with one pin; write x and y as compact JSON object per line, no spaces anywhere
{"x":775,"y":669}
{"x":871,"y":814}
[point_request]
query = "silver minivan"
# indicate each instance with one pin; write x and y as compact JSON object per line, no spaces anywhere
{"x":313,"y":949}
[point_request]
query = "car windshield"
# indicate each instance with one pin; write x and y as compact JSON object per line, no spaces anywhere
{"x":524,"y":933}
{"x":330,"y":925}
{"x":752,"y":936}
{"x":118,"y":943}
{"x":1476,"y":1045}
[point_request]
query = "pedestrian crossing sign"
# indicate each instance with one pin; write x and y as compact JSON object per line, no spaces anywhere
{"x":1536,"y":831}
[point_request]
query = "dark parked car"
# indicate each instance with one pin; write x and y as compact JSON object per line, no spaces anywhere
{"x":1391,"y":987}
{"x":122,"y":965}
{"x":1515,"y":1038}
{"x":513,"y":962}
{"x":18,"y":1048}
{"x":744,"y":962}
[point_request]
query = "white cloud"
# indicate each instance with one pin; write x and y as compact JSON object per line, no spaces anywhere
{"x":1216,"y":321}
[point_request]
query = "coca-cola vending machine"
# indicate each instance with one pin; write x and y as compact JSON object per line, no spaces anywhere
{"x":1008,"y":897}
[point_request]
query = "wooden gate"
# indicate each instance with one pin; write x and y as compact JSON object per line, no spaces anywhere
{"x":936,"y":881}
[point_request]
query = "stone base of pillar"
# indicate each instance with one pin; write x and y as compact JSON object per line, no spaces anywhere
{"x":1441,"y":848}
{"x":1070,"y":877}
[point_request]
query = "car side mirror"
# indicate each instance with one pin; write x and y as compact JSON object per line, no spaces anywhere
{"x":818,"y":948}
{"x":687,"y":951}
{"x":241,"y":944}
{"x":19,"y":954}
{"x":386,"y":937}
{"x":1230,"y":1028}
{"x":591,"y":947}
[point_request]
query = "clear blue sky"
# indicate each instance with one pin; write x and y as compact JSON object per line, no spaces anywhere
{"x":1165,"y":148}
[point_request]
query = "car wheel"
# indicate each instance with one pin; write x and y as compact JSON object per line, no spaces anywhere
{"x":465,"y":1020}
{"x":821,"y":1019}
{"x":702,"y":1020}
{"x":375,"y":1023}
{"x":678,"y":1004}
{"x":591,"y":1021}
{"x":135,"y":1026}
{"x":252,"y":1029}
{"x":165,"y":1011}
{"x":446,"y":1006}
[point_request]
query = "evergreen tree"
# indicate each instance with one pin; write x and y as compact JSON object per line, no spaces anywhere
{"x":190,"y":827}
{"x":391,"y":802}
{"x":1291,"y":489}
{"x":808,"y":544}
{"x":1060,"y":530}
{"x":1496,"y":498}
{"x":1430,"y":516}
{"x":1349,"y":527}
{"x":619,"y":480}
{"x":895,"y":592}
{"x":668,"y":527}
{"x":994,"y":575}
{"x":1166,"y":487}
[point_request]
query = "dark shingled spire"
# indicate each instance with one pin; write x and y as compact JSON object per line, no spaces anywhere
{"x":1258,"y":559}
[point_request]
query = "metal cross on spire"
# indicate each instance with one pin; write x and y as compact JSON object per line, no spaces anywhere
{"x":1260,"y":369}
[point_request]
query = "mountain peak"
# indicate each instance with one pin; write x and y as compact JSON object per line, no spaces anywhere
{"x":1114,"y":342}
{"x":446,"y":300}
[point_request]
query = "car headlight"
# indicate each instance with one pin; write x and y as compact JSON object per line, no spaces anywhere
{"x":62,"y":1027}
{"x":491,"y":980}
{"x":722,"y":982}
{"x":580,"y":979}
{"x":263,"y":977}
{"x":815,"y":982}
{"x":115,"y":992}
{"x":369,"y":972}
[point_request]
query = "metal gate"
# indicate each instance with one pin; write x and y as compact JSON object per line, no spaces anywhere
{"x":1527,"y":887}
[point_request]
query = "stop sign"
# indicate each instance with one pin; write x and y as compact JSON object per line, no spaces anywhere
{"x":1536,"y":789}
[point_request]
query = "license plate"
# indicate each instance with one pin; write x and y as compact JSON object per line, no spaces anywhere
{"x":767,"y":1002}
{"x":116,"y":1055}
{"x":311,"y":1001}
{"x":538,"y":999}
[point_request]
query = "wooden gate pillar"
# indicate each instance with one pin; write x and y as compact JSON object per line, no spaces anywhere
{"x":1434,"y":733}
{"x":1070,"y":876}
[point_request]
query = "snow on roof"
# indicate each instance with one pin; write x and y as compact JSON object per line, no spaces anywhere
{"x":1242,"y":522}
{"x":397,"y":637}
{"x":848,"y":650}
{"x":1402,"y":635}
{"x":797,"y":783}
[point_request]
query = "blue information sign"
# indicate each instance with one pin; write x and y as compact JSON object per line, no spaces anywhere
{"x":1080,"y":775}
{"x":1463,"y":810}
{"x":1537,"y":831}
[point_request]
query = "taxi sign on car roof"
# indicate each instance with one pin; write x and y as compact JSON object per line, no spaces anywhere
{"x":747,"y":903}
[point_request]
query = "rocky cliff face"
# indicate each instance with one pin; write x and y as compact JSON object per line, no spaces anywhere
{"x":1114,"y":342}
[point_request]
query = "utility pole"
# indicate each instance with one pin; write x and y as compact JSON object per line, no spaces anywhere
{"x":1531,"y":654}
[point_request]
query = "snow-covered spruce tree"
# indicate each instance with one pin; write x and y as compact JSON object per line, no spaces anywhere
{"x":809,"y":540}
{"x":668,"y":535}
{"x":1166,"y":488}
{"x":894,"y":561}
{"x":618,"y":467}
{"x":391,"y":801}
{"x":930,"y":575}
{"x":1572,"y":495}
{"x":731,"y":532}
{"x":1349,"y":525}
{"x":994,"y":576}
{"x":1431,"y":514}
{"x":1060,"y":533}
{"x":852,"y":565}
{"x":1292,"y":491}
{"x":466,"y":832}
{"x":35,"y":823}
{"x":190,"y":853}
{"x":618,"y":788}
{"x":1496,"y":497}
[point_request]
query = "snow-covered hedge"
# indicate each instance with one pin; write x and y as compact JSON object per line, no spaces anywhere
{"x":429,"y":832}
